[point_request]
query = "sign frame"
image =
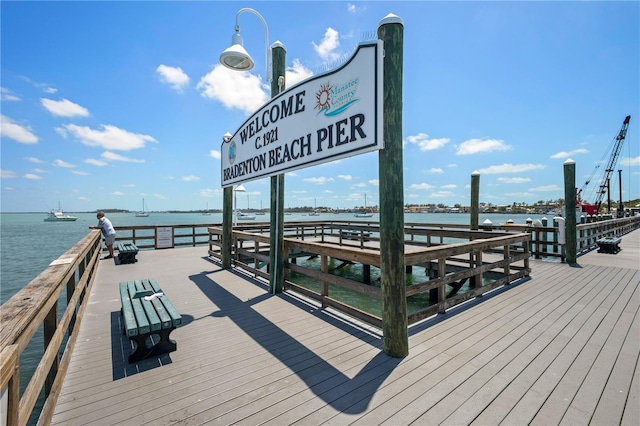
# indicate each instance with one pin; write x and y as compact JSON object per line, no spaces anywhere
{"x":327,"y":117}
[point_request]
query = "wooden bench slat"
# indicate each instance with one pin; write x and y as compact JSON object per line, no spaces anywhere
{"x":130,"y":325}
{"x":141,"y":317}
{"x":176,"y":318}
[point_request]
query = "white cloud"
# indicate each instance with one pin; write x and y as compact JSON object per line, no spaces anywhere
{"x":426,"y":144}
{"x":319,"y":180}
{"x":10,"y":129}
{"x":296,"y":73}
{"x":546,"y":188}
{"x":173,"y":76}
{"x":566,"y":154}
{"x":60,"y":163}
{"x":629,"y":162}
{"x":421,"y":186}
{"x":118,"y":193}
{"x":7,"y":174}
{"x":64,"y":108}
{"x":95,"y":162}
{"x":435,"y":170}
{"x":477,"y":146}
{"x":33,"y":160}
{"x":510,"y":168}
{"x":6,"y":95}
{"x":514,"y":180}
{"x":374,"y":182}
{"x":328,"y":45}
{"x":441,"y":194}
{"x":110,"y":137}
{"x":234,"y":89}
{"x":190,"y":178}
{"x":79,"y":172}
{"x":112,"y":156}
{"x":215,"y":154}
{"x":31,"y":176}
{"x":345,"y":177}
{"x":449,"y":186}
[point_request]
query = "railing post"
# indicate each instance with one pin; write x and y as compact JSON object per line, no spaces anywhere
{"x":507,"y":267}
{"x":50,"y":326}
{"x":71,"y":287}
{"x":544,"y":235}
{"x":10,"y":384}
{"x":442,"y":296}
{"x":324,"y":286}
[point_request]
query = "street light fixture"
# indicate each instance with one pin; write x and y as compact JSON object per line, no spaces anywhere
{"x":235,"y":57}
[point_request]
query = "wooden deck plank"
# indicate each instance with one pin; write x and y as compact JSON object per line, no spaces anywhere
{"x":247,"y":357}
{"x":547,"y":368}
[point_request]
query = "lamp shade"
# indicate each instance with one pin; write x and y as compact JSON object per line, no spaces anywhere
{"x":236,"y":57}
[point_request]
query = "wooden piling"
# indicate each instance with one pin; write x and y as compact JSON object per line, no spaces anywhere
{"x":570,"y":205}
{"x":227,"y":226}
{"x":394,"y":301}
{"x":276,"y":232}
{"x":475,"y":200}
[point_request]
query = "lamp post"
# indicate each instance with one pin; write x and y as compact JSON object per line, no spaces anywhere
{"x":236,"y":58}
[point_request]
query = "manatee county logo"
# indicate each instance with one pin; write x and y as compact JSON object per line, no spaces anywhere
{"x":335,"y":99}
{"x":232,"y":152}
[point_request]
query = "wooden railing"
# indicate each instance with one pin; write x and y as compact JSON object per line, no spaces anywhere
{"x":250,"y":251}
{"x":589,"y":233}
{"x":38,"y":305}
{"x":145,"y":237}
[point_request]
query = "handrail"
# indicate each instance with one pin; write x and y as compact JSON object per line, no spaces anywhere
{"x":37,"y":304}
{"x":145,"y":236}
{"x":249,"y":252}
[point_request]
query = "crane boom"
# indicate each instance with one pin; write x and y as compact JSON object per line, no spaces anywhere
{"x":612,"y":162}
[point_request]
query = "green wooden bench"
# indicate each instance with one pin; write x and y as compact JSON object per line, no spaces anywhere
{"x":148,"y":318}
{"x":609,"y":245}
{"x":126,"y":252}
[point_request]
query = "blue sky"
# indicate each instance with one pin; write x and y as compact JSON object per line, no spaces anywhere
{"x":106,"y":103}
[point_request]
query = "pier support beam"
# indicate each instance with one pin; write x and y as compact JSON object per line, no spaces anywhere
{"x":475,"y":200}
{"x":394,"y":300}
{"x":570,"y":206}
{"x":276,"y":214}
{"x":227,"y":226}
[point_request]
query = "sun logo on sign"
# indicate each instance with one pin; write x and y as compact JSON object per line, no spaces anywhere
{"x":323,"y":97}
{"x":232,"y":152}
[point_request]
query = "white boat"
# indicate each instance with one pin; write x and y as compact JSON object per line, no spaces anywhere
{"x":144,"y":212}
{"x":246,"y":216}
{"x":56,"y":215}
{"x":314,"y":212}
{"x":364,"y":212}
{"x":206,"y":212}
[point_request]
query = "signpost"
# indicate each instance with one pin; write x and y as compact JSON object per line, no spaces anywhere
{"x":330,"y":116}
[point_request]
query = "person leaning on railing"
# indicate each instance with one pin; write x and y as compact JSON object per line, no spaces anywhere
{"x":108,"y":232}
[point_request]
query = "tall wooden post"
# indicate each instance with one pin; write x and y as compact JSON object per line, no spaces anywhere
{"x":394,"y":300}
{"x":276,"y":214}
{"x":475,"y":199}
{"x":570,"y":206}
{"x":227,"y":226}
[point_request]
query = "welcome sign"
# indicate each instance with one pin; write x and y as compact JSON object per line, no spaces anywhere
{"x":330,"y":116}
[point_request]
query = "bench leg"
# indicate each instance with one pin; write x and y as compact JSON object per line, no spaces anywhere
{"x":141,"y":351}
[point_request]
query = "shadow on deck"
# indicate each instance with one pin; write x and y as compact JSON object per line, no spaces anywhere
{"x":561,"y":347}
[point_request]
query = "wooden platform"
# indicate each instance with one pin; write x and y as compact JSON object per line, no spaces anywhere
{"x":562,"y":347}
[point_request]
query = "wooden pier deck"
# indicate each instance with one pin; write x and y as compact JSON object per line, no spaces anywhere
{"x":562,"y":347}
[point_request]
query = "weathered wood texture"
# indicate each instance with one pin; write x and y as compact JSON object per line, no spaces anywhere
{"x":562,"y":347}
{"x":392,"y":272}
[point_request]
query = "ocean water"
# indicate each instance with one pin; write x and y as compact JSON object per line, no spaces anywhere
{"x":28,"y":245}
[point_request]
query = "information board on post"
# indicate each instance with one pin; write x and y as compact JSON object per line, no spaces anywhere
{"x":327,"y":117}
{"x":164,"y":237}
